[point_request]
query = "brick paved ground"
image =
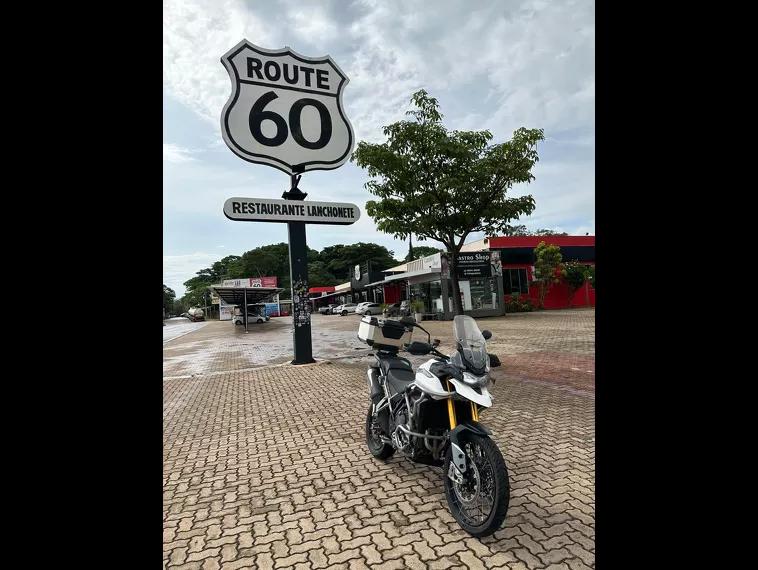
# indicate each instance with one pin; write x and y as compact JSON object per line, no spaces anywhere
{"x":268,"y":468}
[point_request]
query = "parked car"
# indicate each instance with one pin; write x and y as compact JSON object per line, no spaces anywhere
{"x":345,"y":309}
{"x":369,"y":309}
{"x":327,"y":310}
{"x":251,"y":318}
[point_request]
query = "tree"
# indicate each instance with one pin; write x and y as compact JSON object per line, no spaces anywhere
{"x":510,"y":230}
{"x":548,"y":268}
{"x":168,"y":298}
{"x":421,"y":251}
{"x":591,"y":275}
{"x":523,"y":231}
{"x":546,"y":232}
{"x":341,"y":259}
{"x":443,"y":185}
{"x":575,"y":277}
{"x":319,"y":275}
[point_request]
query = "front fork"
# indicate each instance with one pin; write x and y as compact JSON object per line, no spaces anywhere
{"x":458,"y":458}
{"x":451,"y":409}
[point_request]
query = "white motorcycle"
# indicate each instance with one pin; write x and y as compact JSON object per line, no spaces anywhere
{"x":432,"y":415}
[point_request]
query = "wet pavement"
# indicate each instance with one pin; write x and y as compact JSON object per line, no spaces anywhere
{"x":553,"y":346}
{"x":267,"y":467}
{"x":179,"y":326}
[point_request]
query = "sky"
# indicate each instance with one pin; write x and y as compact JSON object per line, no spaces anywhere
{"x":496,"y":65}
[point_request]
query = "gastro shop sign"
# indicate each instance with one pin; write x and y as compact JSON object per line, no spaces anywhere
{"x":270,"y":210}
{"x":474,"y":265}
{"x":285,"y":109}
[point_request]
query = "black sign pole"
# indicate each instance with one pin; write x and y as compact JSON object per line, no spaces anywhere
{"x":244,"y":291}
{"x":301,"y":315}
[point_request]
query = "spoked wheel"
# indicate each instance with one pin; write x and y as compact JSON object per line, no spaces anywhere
{"x":480,"y":502}
{"x":376,"y":446}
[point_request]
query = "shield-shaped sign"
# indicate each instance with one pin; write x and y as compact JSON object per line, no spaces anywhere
{"x":286,"y":109}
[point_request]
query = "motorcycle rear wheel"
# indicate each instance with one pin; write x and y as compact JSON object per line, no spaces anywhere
{"x":377,"y":447}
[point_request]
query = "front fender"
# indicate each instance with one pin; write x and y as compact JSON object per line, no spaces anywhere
{"x":456,"y":452}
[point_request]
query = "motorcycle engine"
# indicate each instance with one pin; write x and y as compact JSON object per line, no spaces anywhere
{"x":400,"y":418}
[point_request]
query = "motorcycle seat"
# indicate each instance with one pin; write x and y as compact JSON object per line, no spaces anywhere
{"x":394,"y":363}
{"x":399,"y":379}
{"x":399,"y":373}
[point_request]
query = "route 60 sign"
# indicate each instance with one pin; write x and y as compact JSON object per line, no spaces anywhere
{"x":285,"y":109}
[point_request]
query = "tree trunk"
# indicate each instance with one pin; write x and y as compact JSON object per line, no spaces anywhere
{"x":457,"y":303}
{"x":543,"y":293}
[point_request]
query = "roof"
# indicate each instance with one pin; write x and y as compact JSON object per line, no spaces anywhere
{"x":401,"y":267}
{"x":236,"y":295}
{"x":505,"y":242}
{"x":406,"y":275}
{"x":328,"y":296}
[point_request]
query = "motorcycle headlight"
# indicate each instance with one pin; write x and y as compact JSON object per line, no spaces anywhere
{"x":472,"y":380}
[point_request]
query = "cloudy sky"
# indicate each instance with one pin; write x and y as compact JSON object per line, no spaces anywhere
{"x":497,"y":65}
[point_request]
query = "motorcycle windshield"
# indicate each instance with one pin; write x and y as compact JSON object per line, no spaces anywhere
{"x":473,"y":345}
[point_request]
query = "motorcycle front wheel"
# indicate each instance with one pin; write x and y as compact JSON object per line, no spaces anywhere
{"x":480,"y":502}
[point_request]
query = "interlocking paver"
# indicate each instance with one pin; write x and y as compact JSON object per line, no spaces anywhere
{"x":256,"y":475}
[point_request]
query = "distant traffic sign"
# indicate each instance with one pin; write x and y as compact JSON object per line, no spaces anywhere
{"x":269,"y":210}
{"x":285,"y":109}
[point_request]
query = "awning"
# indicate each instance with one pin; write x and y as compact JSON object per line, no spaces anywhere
{"x":236,"y":295}
{"x":329,"y":296}
{"x":407,"y":275}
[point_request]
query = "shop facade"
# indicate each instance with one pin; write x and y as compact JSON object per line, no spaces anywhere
{"x":427,"y":280}
{"x":517,"y":259}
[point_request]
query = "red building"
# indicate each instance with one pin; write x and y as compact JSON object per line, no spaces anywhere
{"x":517,"y":259}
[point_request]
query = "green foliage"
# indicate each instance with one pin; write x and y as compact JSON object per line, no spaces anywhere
{"x":341,"y":259}
{"x":417,"y":306}
{"x":510,"y":230}
{"x":168,"y":298}
{"x":548,"y":268}
{"x":514,"y":304}
{"x":420,"y":251}
{"x":591,"y":275}
{"x":319,"y":275}
{"x":269,"y":260}
{"x":575,"y":276}
{"x":333,"y":265}
{"x":443,"y":185}
{"x":522,"y":231}
{"x":178,"y":307}
{"x":545,"y":232}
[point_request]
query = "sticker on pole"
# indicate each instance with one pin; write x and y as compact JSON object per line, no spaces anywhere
{"x":285,"y":109}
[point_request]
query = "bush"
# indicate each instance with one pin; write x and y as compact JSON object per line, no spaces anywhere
{"x":514,"y":304}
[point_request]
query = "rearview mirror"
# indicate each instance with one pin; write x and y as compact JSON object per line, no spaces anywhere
{"x":486,"y":334}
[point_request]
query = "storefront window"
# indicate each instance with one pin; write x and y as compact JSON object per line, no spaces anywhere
{"x":483,"y":293}
{"x":515,"y":281}
{"x":430,"y":293}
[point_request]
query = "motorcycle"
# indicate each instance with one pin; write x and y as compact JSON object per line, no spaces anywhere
{"x":431,"y":416}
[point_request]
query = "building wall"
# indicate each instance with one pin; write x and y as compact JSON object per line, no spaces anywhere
{"x":558,"y":295}
{"x":393,"y":292}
